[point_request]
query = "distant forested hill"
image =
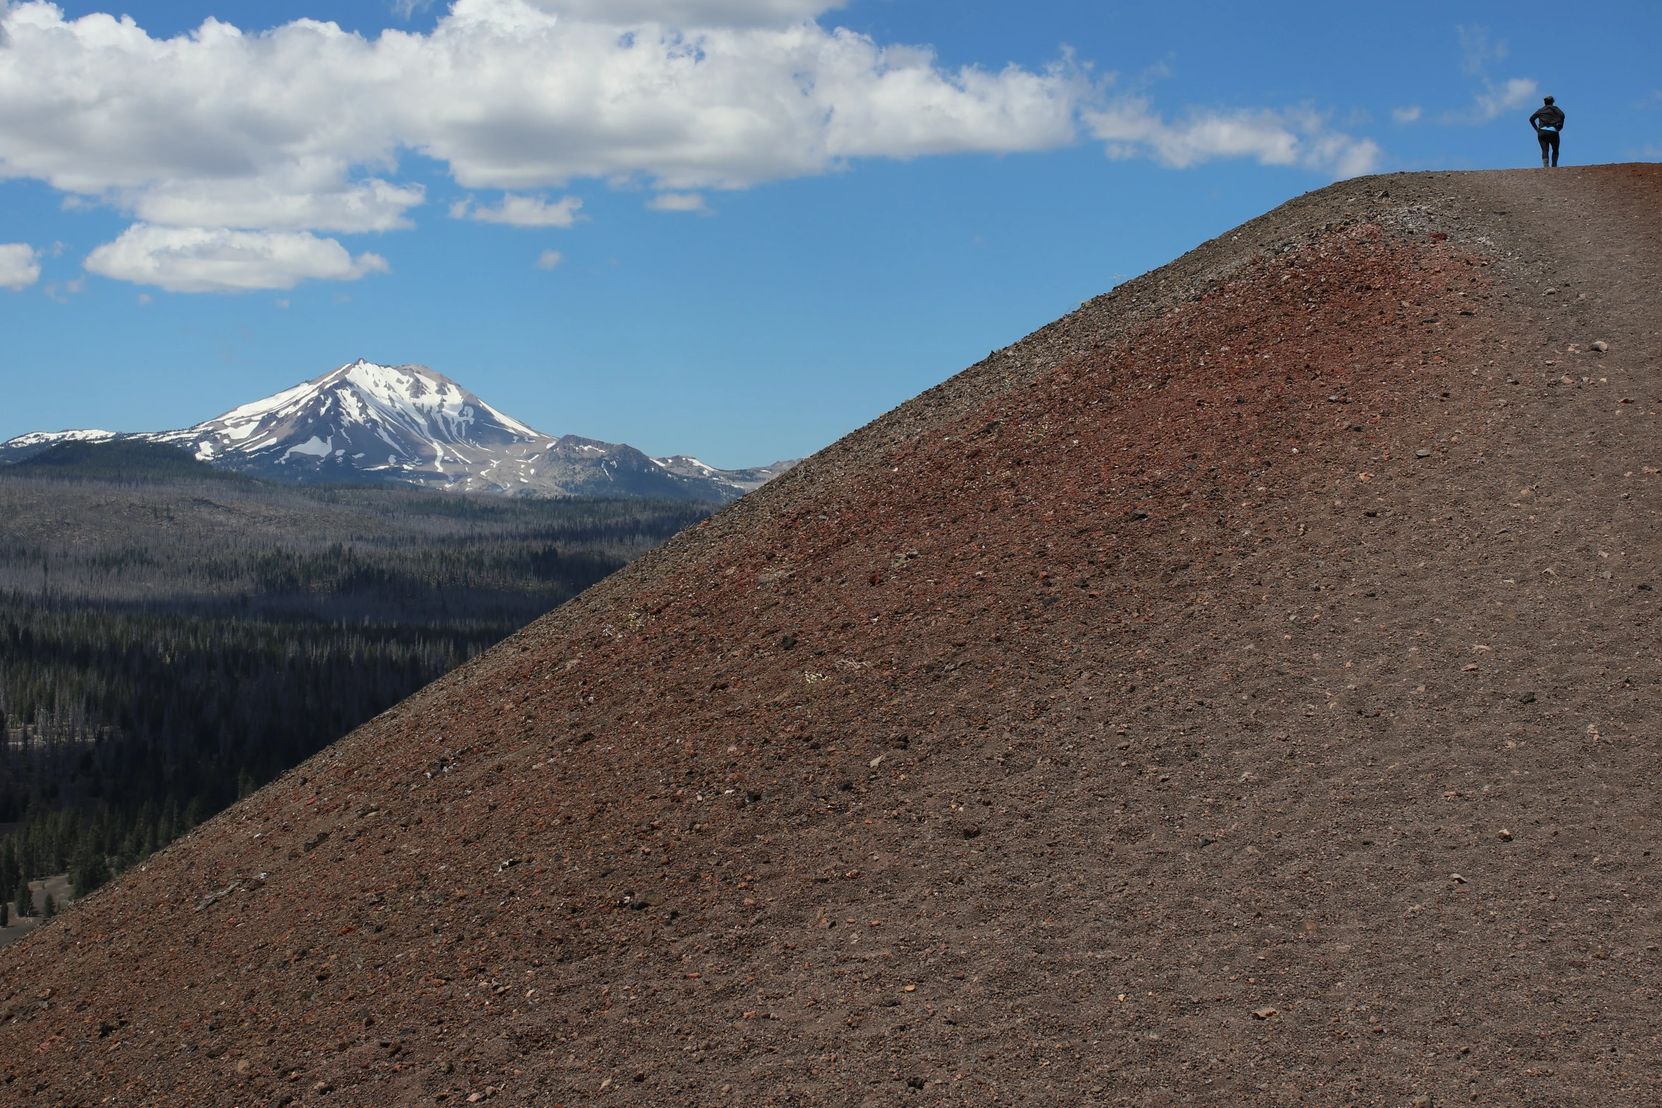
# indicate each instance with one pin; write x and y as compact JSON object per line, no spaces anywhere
{"x":172,"y":637}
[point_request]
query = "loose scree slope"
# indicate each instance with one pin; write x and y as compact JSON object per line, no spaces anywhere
{"x":1239,"y":691}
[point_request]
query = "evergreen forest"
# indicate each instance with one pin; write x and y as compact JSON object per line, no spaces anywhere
{"x":171,"y":640}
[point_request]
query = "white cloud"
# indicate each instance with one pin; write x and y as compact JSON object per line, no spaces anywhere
{"x":521,"y":211}
{"x":273,"y":130}
{"x":197,"y":259}
{"x":19,"y":265}
{"x":1298,"y":137}
{"x":278,"y":202}
{"x":300,"y":128}
{"x":1494,"y":98}
{"x":679,"y":202}
{"x":528,"y":101}
{"x":1497,"y":99}
{"x":691,"y":13}
{"x":1409,"y":114}
{"x":550,"y":259}
{"x":895,"y":103}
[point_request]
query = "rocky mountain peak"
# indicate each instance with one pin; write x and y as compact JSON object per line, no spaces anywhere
{"x":408,"y":423}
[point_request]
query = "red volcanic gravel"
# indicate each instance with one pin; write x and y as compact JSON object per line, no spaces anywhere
{"x":1241,"y":691}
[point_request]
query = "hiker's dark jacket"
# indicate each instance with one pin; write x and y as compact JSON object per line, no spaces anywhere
{"x":1548,"y":115}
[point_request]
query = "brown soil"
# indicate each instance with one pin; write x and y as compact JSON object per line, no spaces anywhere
{"x":1241,"y":691}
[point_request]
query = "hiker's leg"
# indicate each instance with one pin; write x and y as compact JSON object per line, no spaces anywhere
{"x":1555,"y":148}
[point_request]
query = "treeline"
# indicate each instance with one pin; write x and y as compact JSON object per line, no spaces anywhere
{"x":125,"y":729}
{"x":156,"y":665}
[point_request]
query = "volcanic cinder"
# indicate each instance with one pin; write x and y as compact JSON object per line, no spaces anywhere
{"x":1241,"y":691}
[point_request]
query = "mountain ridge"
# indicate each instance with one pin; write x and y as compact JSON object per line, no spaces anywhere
{"x":413,"y":425}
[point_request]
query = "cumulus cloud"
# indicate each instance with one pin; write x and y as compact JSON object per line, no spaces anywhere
{"x":550,"y":259}
{"x":201,"y":259}
{"x":299,"y":128}
{"x":897,"y":104}
{"x":19,"y":265}
{"x":532,"y":101}
{"x":1130,"y":127}
{"x":679,"y":202}
{"x":295,"y":132}
{"x":522,"y":211}
{"x":1409,"y":114}
{"x":507,"y":92}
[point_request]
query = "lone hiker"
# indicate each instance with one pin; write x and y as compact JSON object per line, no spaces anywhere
{"x":1548,"y":121}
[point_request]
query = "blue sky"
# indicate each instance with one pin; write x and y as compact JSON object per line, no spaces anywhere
{"x":734,"y":228}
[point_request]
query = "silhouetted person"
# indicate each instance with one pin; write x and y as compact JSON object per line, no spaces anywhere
{"x":1548,"y":122}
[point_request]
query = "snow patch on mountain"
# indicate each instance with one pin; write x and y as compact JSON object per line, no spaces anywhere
{"x":52,"y":438}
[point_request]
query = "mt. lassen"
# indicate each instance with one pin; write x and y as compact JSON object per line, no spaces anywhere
{"x":412,"y":425}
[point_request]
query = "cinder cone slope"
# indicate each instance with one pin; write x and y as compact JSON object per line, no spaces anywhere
{"x":1242,"y":691}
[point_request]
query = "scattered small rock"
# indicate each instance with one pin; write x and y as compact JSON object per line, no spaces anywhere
{"x":1264,"y":1013}
{"x":1601,"y":346}
{"x":1504,"y":835}
{"x":1422,"y":452}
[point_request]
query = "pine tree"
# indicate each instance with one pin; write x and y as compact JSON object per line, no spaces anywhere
{"x":89,"y":870}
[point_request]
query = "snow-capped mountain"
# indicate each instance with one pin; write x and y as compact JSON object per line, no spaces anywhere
{"x":42,"y":439}
{"x":410,"y":424}
{"x":368,"y":416}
